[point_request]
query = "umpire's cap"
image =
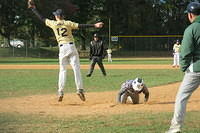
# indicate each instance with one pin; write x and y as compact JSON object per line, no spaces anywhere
{"x":58,"y":12}
{"x":194,"y":8}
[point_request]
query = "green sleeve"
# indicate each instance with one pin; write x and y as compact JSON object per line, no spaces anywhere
{"x":187,"y":48}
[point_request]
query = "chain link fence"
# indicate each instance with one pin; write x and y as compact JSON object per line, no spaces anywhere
{"x":26,"y":48}
{"x":122,"y":46}
{"x":144,"y":46}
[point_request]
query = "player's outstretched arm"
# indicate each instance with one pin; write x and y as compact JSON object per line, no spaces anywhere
{"x":97,"y":25}
{"x":31,"y":5}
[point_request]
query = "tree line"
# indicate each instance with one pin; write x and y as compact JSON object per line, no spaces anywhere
{"x":128,"y":17}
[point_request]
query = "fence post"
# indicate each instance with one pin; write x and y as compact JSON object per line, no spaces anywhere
{"x":26,"y":48}
{"x":13,"y":50}
{"x":134,"y":46}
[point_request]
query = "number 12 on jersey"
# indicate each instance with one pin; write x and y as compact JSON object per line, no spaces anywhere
{"x":62,"y":32}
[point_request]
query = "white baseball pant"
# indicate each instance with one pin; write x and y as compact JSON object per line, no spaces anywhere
{"x":69,"y":55}
{"x":176,"y":59}
{"x":109,"y":58}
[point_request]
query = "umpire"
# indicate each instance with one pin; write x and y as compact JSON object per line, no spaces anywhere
{"x":97,"y":54}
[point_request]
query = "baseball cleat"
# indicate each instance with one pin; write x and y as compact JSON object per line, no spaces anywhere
{"x":81,"y":95}
{"x":60,"y":96}
{"x":88,"y":75}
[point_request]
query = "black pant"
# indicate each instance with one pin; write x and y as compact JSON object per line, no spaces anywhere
{"x":98,"y":60}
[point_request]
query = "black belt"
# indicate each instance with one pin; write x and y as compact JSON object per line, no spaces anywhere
{"x":71,"y":43}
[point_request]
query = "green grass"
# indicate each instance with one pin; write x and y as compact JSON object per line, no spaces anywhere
{"x":15,"y":83}
{"x":29,"y":52}
{"x":134,"y":122}
{"x":22,"y":60}
{"x":29,"y":82}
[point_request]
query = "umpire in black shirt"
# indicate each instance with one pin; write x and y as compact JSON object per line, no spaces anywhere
{"x":97,"y":53}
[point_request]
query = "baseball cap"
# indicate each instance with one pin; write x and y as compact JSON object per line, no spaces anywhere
{"x":58,"y":12}
{"x":193,"y":7}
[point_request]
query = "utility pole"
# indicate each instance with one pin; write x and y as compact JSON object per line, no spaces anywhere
{"x":109,"y":32}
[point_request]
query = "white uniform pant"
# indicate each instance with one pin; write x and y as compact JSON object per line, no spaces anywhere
{"x":190,"y":83}
{"x":109,"y":58}
{"x":176,"y":59}
{"x":69,"y":55}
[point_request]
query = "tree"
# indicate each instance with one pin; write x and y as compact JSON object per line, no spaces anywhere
{"x":10,"y":18}
{"x":88,"y":12}
{"x":172,"y":16}
{"x":128,"y":17}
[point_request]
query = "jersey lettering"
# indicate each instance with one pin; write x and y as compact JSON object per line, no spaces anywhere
{"x":62,"y":32}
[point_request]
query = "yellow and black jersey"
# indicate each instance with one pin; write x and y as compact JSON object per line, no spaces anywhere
{"x":62,"y":30}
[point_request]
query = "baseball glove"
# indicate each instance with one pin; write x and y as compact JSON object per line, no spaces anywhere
{"x":31,"y":4}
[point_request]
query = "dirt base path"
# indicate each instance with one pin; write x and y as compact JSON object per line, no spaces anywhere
{"x":161,"y":100}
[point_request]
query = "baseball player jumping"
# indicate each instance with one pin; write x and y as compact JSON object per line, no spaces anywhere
{"x":132,"y":89}
{"x":67,"y":50}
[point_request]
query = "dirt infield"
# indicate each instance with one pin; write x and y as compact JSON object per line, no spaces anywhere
{"x":161,"y":100}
